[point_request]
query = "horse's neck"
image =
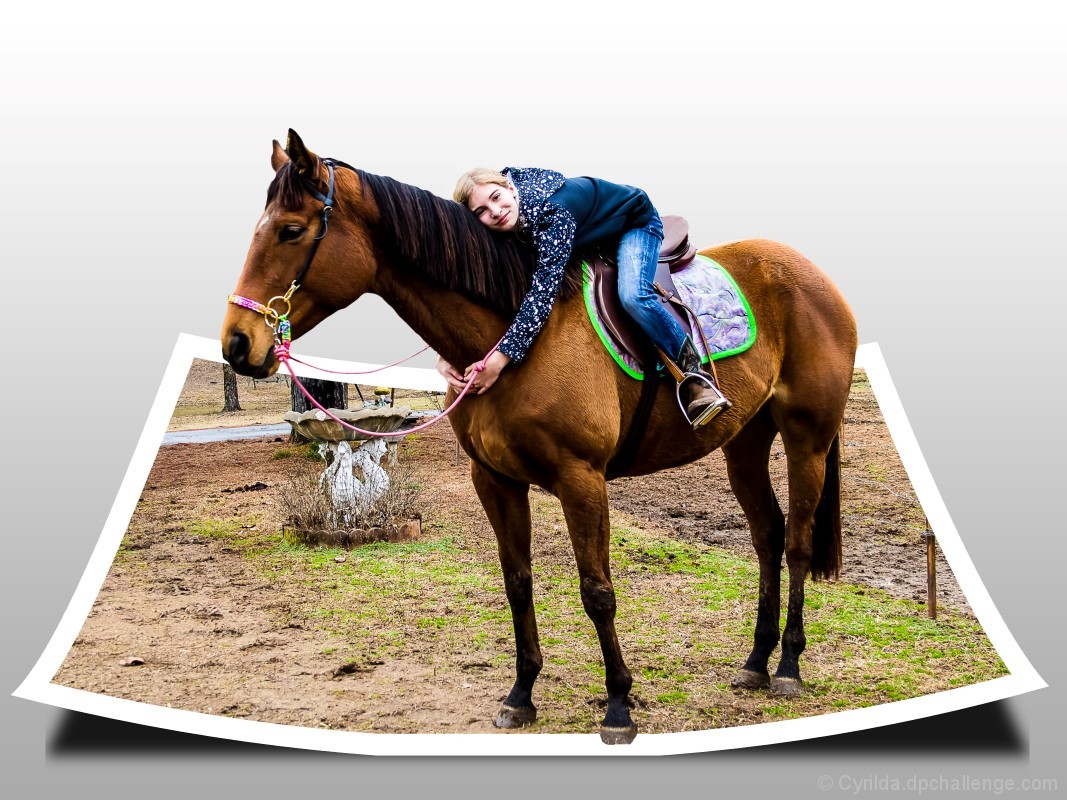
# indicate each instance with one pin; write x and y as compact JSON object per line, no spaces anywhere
{"x":459,"y":329}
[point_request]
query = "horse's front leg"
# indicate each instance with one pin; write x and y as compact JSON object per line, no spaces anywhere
{"x":507,"y":504}
{"x":583,"y":494}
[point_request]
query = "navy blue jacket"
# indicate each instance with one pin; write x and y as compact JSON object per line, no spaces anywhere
{"x":557,"y":214}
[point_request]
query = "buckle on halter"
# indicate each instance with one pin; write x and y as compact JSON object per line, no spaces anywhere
{"x":271,"y":312}
{"x":325,"y":221}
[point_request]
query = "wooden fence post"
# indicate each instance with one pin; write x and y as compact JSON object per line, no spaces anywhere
{"x":931,"y":573}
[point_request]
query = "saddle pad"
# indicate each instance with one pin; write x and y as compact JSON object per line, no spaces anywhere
{"x":708,"y":289}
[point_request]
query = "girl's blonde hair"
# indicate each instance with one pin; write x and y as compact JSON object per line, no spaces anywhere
{"x":475,"y":177}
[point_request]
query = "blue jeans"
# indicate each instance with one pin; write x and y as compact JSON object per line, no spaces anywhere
{"x":638,"y":251}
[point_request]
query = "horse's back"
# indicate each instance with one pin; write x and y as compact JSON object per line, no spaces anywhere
{"x":806,"y":330}
{"x":791,"y":298}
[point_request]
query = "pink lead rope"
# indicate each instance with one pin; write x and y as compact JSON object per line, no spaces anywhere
{"x":283,"y":339}
{"x":358,"y":372}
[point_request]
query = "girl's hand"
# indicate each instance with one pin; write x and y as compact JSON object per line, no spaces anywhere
{"x":487,"y":377}
{"x":449,"y":373}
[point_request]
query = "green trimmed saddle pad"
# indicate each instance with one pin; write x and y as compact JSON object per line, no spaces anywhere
{"x":705,"y":287}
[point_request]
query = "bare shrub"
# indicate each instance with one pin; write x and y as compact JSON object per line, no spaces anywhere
{"x":308,"y":506}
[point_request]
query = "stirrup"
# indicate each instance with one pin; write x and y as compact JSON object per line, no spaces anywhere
{"x":712,"y":410}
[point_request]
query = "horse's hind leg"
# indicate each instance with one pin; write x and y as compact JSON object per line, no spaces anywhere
{"x":747,"y":455}
{"x":507,"y":504}
{"x":807,"y":445}
{"x":583,"y":494}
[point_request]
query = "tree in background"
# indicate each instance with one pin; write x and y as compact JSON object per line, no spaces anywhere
{"x":229,"y":389}
{"x":330,"y":394}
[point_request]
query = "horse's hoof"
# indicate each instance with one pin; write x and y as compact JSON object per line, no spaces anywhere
{"x":787,"y":687}
{"x":512,"y":717}
{"x":750,"y":679}
{"x":618,"y":735}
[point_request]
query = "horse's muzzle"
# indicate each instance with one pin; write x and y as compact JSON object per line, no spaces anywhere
{"x":237,"y":357}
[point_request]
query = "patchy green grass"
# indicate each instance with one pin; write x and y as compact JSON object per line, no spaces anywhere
{"x":216,"y":528}
{"x":242,"y":533}
{"x":308,"y":450}
{"x":864,"y":646}
{"x":876,"y":472}
{"x":374,"y":599}
{"x":685,"y":620}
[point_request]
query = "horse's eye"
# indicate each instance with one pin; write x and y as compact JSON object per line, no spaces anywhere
{"x":290,"y":232}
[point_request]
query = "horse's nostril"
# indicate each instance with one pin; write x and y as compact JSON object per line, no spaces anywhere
{"x":238,"y":351}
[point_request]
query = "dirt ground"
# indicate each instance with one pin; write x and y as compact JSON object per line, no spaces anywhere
{"x":218,"y":634}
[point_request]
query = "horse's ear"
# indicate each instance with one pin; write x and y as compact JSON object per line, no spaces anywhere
{"x":279,"y":158}
{"x":306,"y":162}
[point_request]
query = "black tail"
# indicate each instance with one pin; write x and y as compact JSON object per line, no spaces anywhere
{"x":826,"y":527}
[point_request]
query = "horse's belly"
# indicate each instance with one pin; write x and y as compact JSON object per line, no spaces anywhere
{"x":528,"y":435}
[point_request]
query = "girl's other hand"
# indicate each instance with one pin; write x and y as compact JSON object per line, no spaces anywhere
{"x":449,"y":373}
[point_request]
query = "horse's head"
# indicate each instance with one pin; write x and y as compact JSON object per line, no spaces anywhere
{"x":290,"y":248}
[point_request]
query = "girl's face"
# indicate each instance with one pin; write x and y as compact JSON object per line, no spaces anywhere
{"x":495,"y":206}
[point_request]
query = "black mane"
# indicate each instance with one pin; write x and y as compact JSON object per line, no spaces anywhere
{"x":444,"y":242}
{"x":437,"y":239}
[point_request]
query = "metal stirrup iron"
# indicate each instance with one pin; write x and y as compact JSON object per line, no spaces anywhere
{"x":681,"y":378}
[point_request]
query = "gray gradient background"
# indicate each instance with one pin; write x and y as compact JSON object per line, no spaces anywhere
{"x":917,"y":154}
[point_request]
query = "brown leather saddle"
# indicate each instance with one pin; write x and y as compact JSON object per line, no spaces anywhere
{"x":675,"y":254}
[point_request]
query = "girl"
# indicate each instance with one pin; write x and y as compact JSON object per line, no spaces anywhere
{"x":554,"y":215}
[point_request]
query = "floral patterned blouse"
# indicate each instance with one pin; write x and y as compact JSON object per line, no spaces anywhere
{"x":550,"y":228}
{"x":552,"y":209}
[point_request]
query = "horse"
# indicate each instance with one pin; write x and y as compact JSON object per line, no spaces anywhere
{"x":557,"y":419}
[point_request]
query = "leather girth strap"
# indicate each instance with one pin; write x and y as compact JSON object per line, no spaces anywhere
{"x":624,"y":458}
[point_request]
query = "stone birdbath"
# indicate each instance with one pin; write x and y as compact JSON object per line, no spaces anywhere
{"x":315,"y":425}
{"x":346,"y":490}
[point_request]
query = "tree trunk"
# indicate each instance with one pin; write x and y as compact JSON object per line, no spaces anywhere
{"x":330,"y":394}
{"x":229,"y":389}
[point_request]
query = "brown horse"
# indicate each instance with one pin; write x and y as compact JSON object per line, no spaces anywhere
{"x":557,"y":419}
